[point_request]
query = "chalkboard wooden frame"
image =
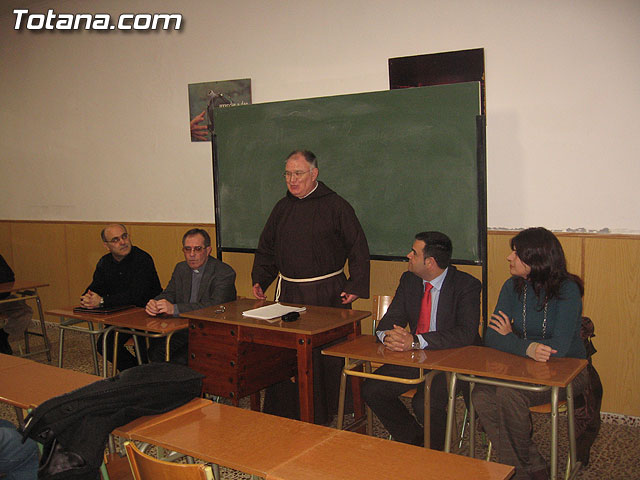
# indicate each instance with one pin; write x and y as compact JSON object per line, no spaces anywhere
{"x":251,"y":146}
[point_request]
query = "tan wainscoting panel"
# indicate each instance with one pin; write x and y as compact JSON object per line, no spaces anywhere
{"x":5,"y":242}
{"x":84,"y":249}
{"x":40,"y":253}
{"x":612,"y":300}
{"x":242,"y":264}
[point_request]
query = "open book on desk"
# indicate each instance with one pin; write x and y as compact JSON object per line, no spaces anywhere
{"x":270,"y":312}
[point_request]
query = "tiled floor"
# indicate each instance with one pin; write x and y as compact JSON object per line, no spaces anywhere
{"x":615,"y":454}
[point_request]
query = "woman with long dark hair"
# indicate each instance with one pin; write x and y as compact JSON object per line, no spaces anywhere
{"x":538,"y":315}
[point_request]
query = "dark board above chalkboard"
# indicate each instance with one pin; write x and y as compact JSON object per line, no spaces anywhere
{"x":406,"y":160}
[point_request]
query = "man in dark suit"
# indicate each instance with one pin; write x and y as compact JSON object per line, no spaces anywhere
{"x":441,"y":306}
{"x":198,"y":282}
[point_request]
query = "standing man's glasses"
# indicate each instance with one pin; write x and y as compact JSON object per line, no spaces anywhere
{"x":295,"y":175}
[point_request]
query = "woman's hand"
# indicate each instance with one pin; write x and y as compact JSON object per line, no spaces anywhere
{"x":540,"y":352}
{"x":500,"y":323}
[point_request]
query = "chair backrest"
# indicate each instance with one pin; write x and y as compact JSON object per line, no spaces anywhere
{"x":380,"y":305}
{"x":145,"y":467}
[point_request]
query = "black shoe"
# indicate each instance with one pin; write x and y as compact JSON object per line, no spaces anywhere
{"x":5,"y":347}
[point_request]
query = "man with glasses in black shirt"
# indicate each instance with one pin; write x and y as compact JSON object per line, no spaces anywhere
{"x":124,"y":276}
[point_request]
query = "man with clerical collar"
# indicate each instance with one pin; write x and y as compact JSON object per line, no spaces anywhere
{"x":198,"y":282}
{"x":124,"y":276}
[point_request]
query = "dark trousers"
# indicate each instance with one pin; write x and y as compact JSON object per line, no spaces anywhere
{"x":383,"y":399}
{"x":125,"y":358}
{"x":505,"y":417}
{"x":282,"y":399}
{"x":178,"y":348}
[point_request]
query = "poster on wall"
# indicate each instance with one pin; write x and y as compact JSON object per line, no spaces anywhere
{"x":205,"y":96}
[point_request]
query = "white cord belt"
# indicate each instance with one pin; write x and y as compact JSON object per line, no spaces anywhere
{"x":303,"y":280}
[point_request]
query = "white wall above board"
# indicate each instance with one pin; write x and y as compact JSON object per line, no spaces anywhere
{"x":95,"y":125}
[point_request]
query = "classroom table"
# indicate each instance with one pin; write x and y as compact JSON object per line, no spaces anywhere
{"x":366,"y":349}
{"x":349,"y":456}
{"x":280,"y":448}
{"x":241,"y":355}
{"x":489,"y":366}
{"x":133,"y":320}
{"x":27,"y":384}
{"x":69,"y":320}
{"x":139,"y":323}
{"x":27,"y":290}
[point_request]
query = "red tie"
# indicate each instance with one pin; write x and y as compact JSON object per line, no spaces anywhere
{"x":424,"y":320}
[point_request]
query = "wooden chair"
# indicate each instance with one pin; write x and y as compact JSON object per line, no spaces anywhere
{"x":145,"y":467}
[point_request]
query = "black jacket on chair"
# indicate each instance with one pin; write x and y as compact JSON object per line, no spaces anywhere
{"x":74,"y":428}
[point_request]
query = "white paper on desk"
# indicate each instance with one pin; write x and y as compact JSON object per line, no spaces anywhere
{"x":271,"y":311}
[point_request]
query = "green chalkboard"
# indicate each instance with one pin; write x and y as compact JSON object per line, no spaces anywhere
{"x":405,"y":159}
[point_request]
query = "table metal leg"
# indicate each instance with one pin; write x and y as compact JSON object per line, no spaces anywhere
{"x":450,"y":412}
{"x":94,"y":351}
{"x":136,"y":345}
{"x":342,"y":394}
{"x":105,"y":334}
{"x":472,"y":423}
{"x":554,"y":432}
{"x":47,"y":344}
{"x":573,"y":465}
{"x":60,"y":345}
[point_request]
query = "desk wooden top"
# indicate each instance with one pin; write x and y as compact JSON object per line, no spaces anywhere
{"x":366,"y":347}
{"x":313,"y":321}
{"x":151,"y":420}
{"x":492,"y":363}
{"x":29,"y":384}
{"x":19,"y":285}
{"x":244,"y":440}
{"x":67,"y":312}
{"x":10,"y":361}
{"x":135,"y":318}
{"x":350,"y":456}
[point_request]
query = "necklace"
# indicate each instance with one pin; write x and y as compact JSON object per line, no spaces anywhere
{"x":524,"y":315}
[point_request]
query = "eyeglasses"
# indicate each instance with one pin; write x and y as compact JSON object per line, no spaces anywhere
{"x":295,"y":175}
{"x":198,"y":249}
{"x":115,"y":240}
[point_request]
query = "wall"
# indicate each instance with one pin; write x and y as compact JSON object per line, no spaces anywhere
{"x":95,"y":124}
{"x":607,"y":263}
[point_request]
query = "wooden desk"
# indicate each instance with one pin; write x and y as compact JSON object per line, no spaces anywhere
{"x":69,"y":320}
{"x":241,"y":355}
{"x":349,"y":456}
{"x":137,"y":322}
{"x":280,"y":448}
{"x":28,"y":290}
{"x":244,"y":440}
{"x":151,"y":420}
{"x":493,"y":367}
{"x":28,"y":384}
{"x":366,"y":349}
{"x":10,"y":361}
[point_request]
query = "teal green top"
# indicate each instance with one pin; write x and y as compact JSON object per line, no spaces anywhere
{"x":564,"y":318}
